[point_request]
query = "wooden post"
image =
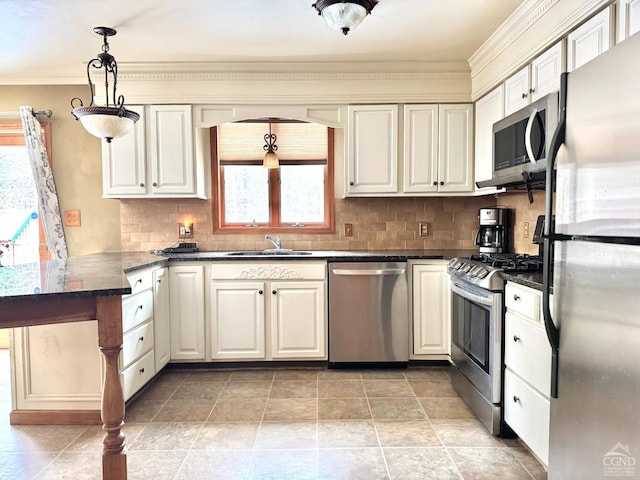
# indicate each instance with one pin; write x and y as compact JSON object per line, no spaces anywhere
{"x":114,"y":457}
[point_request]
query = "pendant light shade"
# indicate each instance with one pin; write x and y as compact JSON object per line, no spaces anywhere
{"x":344,"y":15}
{"x":270,"y":158}
{"x":112,"y":120}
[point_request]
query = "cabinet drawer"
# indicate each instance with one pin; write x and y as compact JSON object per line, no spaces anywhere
{"x":139,"y":280}
{"x":137,"y":375}
{"x":524,"y":300}
{"x":527,"y":413}
{"x":527,"y":351}
{"x":136,"y":309}
{"x":136,"y":343}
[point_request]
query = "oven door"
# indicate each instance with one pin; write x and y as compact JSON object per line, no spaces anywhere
{"x":476,"y":337}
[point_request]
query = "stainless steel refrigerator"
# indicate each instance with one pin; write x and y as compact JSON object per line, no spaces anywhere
{"x":595,"y":246}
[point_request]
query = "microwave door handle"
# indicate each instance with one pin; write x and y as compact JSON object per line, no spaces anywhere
{"x":527,"y":137}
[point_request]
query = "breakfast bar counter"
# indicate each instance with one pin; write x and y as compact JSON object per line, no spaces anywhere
{"x":79,"y":289}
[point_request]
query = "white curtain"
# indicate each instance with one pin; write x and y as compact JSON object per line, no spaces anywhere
{"x":45,"y":186}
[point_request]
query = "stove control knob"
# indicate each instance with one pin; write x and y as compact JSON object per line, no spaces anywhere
{"x":482,"y":272}
{"x":474,"y":271}
{"x":452,"y":263}
{"x":465,"y":268}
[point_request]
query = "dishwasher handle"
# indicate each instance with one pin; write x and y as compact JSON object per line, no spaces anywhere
{"x":368,"y":272}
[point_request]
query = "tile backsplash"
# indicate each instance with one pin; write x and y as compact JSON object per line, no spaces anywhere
{"x":378,"y":224}
{"x":522,"y":211}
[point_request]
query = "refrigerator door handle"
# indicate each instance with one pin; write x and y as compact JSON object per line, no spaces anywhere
{"x":553,"y":332}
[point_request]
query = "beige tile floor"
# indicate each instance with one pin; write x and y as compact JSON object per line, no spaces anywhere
{"x":279,"y":424}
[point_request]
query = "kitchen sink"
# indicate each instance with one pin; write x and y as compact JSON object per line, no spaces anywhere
{"x":271,"y":252}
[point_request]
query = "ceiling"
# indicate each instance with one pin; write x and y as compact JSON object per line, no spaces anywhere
{"x":50,"y":42}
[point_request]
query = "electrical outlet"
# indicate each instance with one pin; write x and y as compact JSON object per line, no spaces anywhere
{"x":72,"y":218}
{"x":348,"y":229}
{"x":423,"y":229}
{"x":185,"y":230}
{"x":525,"y":229}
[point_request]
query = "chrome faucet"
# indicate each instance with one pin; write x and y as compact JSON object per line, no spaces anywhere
{"x":276,"y":241}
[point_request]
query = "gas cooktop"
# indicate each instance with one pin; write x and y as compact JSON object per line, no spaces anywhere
{"x":483,"y":270}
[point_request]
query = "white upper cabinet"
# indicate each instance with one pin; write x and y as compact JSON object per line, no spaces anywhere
{"x":157,"y":159}
{"x":516,"y":89}
{"x":372,"y":149}
{"x":124,"y":170}
{"x":455,"y":148}
{"x":171,"y":149}
{"x":546,"y":70}
{"x":536,"y":80}
{"x":489,"y":110}
{"x":628,"y":18}
{"x":420,"y":148}
{"x":589,"y":40}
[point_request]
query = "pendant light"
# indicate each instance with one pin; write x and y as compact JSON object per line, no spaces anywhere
{"x":112,"y":120}
{"x":343,"y":15}
{"x":270,"y":158}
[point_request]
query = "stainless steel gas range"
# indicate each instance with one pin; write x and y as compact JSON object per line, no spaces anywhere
{"x":477,"y":323}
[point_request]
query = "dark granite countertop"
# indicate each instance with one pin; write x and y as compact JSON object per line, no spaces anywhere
{"x":105,"y":273}
{"x":532,"y":280}
{"x":89,"y":275}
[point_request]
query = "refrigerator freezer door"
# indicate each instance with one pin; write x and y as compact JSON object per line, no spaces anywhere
{"x":598,"y":170}
{"x":595,"y":421}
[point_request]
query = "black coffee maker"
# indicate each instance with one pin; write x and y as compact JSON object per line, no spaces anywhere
{"x":493,"y":231}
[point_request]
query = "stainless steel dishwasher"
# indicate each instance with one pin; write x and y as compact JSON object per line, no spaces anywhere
{"x":368,"y":313}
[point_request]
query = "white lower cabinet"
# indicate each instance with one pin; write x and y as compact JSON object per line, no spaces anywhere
{"x":268,"y":311}
{"x":527,"y":369}
{"x":186,"y":300}
{"x":431,"y":308}
{"x":161,"y":318}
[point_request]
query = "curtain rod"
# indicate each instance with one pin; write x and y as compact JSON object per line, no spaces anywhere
{"x":46,"y":113}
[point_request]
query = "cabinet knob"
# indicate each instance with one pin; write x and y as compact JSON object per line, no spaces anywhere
{"x":435,"y":184}
{"x":159,"y":280}
{"x":274,"y":291}
{"x":138,"y":281}
{"x":441,"y":183}
{"x":142,"y":370}
{"x":516,"y":399}
{"x":351,"y":183}
{"x":516,"y":338}
{"x":141,"y":339}
{"x":140,"y":307}
{"x":531,"y":90}
{"x":260,"y":292}
{"x":142,"y":184}
{"x":524,"y":95}
{"x":516,"y":297}
{"x":155,"y":184}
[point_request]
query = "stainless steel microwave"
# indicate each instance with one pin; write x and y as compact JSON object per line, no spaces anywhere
{"x":521,"y":143}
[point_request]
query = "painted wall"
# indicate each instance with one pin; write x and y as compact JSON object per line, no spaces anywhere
{"x":77,"y":169}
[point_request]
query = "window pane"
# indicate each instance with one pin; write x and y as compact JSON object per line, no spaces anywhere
{"x":302,"y":193}
{"x":246,"y":194}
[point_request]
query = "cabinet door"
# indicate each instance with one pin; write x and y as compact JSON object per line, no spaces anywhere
{"x":545,"y":72}
{"x":489,"y":109}
{"x":589,"y":40}
{"x":455,"y":148}
{"x":186,"y":302}
{"x":629,"y":18}
{"x":516,"y":91}
{"x":161,"y":318}
{"x":124,"y":162}
{"x":372,"y":149}
{"x":298,"y":320}
{"x":172,"y":155}
{"x":431,"y":295}
{"x":420,"y":148}
{"x":237,"y":320}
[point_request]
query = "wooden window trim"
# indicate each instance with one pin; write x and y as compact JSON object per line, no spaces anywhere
{"x":217,"y":194}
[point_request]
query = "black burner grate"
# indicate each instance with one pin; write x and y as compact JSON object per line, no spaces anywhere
{"x":511,"y":262}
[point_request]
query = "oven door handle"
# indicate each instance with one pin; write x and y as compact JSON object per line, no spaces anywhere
{"x":471,"y":296}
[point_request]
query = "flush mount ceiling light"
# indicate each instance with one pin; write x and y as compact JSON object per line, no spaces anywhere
{"x":344,"y":15}
{"x":112,"y":120}
{"x":270,"y":158}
